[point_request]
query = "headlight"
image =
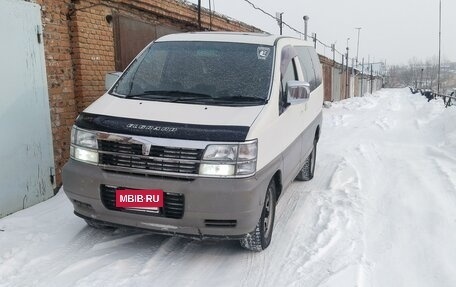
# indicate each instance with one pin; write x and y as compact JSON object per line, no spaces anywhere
{"x":221,"y":152}
{"x":84,"y":138}
{"x":230,"y":159}
{"x":84,"y":146}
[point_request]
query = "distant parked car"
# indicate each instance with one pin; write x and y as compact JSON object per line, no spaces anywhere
{"x":428,"y":94}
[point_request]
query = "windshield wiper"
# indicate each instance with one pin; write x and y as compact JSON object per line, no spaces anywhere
{"x":242,"y":99}
{"x":187,"y":96}
{"x":160,"y":94}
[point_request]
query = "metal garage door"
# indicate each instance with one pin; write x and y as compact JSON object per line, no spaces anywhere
{"x":26,"y":158}
{"x":336,"y":90}
{"x":131,"y":36}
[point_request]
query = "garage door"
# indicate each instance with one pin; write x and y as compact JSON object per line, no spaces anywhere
{"x":131,"y":36}
{"x":26,"y":157}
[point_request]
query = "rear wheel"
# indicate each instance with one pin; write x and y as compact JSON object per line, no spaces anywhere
{"x":260,"y":238}
{"x":308,"y":170}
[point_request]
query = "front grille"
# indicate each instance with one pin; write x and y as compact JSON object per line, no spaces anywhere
{"x":172,"y":152}
{"x":159,"y":159}
{"x":151,"y":164}
{"x":118,"y":147}
{"x":173,"y":206}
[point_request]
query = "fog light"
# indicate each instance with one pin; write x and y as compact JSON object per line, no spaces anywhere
{"x":85,"y":155}
{"x":217,"y":169}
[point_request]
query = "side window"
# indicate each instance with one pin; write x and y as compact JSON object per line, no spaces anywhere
{"x":307,"y":66}
{"x":317,"y":66}
{"x":290,"y":74}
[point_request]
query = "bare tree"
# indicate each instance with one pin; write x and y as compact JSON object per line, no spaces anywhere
{"x":423,"y":75}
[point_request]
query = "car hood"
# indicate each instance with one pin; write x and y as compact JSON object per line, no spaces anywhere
{"x":169,"y":120}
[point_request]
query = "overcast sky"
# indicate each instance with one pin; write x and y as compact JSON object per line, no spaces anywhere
{"x":395,"y":30}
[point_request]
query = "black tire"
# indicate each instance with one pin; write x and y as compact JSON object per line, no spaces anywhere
{"x":98,"y":225}
{"x":260,"y":238}
{"x":308,"y":170}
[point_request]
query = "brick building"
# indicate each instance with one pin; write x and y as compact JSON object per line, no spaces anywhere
{"x":85,"y":39}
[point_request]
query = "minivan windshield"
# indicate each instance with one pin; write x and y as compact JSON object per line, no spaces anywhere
{"x":210,"y":73}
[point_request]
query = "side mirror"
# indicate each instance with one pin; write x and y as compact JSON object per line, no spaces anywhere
{"x":297,"y":92}
{"x":111,"y":78}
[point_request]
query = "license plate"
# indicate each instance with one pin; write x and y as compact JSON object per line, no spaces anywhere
{"x":144,"y":199}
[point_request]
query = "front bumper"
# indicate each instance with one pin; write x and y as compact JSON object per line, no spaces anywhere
{"x":206,"y":199}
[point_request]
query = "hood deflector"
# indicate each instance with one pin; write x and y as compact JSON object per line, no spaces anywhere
{"x":138,"y":127}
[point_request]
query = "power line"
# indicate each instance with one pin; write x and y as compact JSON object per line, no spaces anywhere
{"x":260,"y":9}
{"x":291,"y":27}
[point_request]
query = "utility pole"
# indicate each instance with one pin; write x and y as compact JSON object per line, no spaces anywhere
{"x":314,"y":36}
{"x":280,"y":20}
{"x":368,"y":66}
{"x":347,"y":75}
{"x":306,"y":19}
{"x":357,"y":46}
{"x":421,"y":79}
{"x":372,"y":79}
{"x":210,"y":15}
{"x":199,"y":15}
{"x":343,"y":59}
{"x":362,"y":78}
{"x":440,"y":45}
{"x":353,"y":67}
{"x":352,"y":75}
{"x":333,"y":49}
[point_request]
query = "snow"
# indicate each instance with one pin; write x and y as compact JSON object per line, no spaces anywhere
{"x":379,"y":212}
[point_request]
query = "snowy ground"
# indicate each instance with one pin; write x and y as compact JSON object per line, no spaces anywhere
{"x":381,"y":211}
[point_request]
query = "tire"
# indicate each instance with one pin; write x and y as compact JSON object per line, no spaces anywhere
{"x":97,"y":225}
{"x":308,"y":170}
{"x":260,"y":238}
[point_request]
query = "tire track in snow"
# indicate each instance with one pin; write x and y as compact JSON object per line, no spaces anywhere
{"x":337,"y":230}
{"x":285,"y":209}
{"x":445,"y":165}
{"x":43,"y":267}
{"x":89,"y":251}
{"x":312,"y":237}
{"x":80,"y":255}
{"x":292,"y":223}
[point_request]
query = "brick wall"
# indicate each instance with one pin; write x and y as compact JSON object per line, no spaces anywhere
{"x":92,"y":52}
{"x":79,"y":51}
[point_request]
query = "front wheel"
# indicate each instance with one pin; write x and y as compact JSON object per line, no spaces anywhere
{"x":260,"y":238}
{"x":308,"y":170}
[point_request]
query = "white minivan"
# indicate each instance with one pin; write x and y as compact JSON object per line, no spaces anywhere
{"x":199,"y":137}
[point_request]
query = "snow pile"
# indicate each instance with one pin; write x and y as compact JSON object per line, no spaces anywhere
{"x":379,"y":212}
